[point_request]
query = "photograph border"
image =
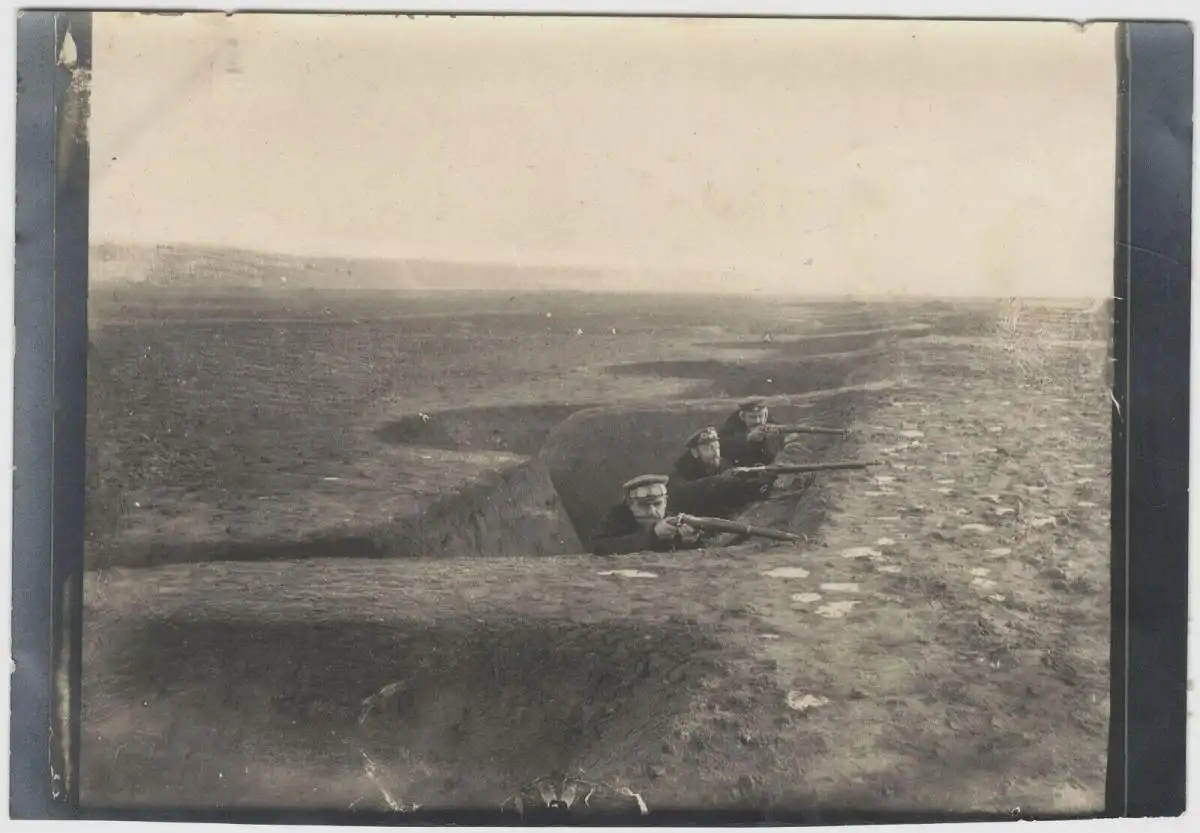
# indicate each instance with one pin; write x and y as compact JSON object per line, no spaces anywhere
{"x":1151,"y":351}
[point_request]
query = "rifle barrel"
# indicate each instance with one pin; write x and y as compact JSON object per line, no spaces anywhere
{"x":799,"y":468}
{"x":722,"y":525}
{"x":805,"y":429}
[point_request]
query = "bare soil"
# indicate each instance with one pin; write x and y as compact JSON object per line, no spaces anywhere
{"x":940,"y":643}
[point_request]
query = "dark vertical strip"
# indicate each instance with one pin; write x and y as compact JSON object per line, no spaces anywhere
{"x":70,"y":383}
{"x":1158,"y":252}
{"x":38,"y":87}
{"x":1115,"y":782}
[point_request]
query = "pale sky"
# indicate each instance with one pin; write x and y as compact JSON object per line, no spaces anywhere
{"x":944,"y":158}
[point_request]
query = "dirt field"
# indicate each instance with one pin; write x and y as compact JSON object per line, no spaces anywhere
{"x":941,"y":642}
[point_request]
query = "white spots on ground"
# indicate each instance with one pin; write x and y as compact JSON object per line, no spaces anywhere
{"x":1001,"y":511}
{"x":806,"y":598}
{"x":875,"y":493}
{"x":912,"y":434}
{"x":1085,"y":465}
{"x":975,"y":528}
{"x":985,"y":583}
{"x":995,"y":429}
{"x":840,"y":587}
{"x":861,"y":552}
{"x":995,"y":597}
{"x":990,"y":498}
{"x":768,"y":636}
{"x":787,"y":572}
{"x":885,"y":542}
{"x":883,"y":478}
{"x":1086,"y":504}
{"x":944,"y":490}
{"x":1083,"y":481}
{"x":1042,"y":523}
{"x":889,"y":518}
{"x":945,"y":482}
{"x":836,"y":610}
{"x":803,"y":702}
{"x":1033,"y":490}
{"x":628,"y":573}
{"x":980,"y":571}
{"x":549,"y":315}
{"x":579,"y":332}
{"x":889,"y":568}
{"x":989,"y":450}
{"x":1000,"y":551}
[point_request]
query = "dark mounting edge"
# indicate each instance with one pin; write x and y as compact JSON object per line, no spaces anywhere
{"x":1151,"y":369}
{"x":52,"y":179}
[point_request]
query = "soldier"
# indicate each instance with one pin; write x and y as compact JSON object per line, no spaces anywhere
{"x":744,"y":439}
{"x":701,"y":457}
{"x":704,"y":484}
{"x":638,"y":524}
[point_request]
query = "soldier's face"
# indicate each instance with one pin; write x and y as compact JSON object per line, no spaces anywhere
{"x":649,"y":510}
{"x":708,"y":453}
{"x":754,"y":418}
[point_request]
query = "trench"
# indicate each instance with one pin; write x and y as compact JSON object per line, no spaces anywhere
{"x":564,"y":466}
{"x":589,"y":449}
{"x":456,"y":711}
{"x":594,"y":451}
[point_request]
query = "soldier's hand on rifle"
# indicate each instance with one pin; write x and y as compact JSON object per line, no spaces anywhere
{"x":665,"y":528}
{"x":688,"y":534}
{"x":757,"y":434}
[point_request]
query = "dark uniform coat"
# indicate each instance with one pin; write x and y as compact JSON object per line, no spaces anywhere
{"x":619,"y":532}
{"x":695,"y":490}
{"x":738,"y":450}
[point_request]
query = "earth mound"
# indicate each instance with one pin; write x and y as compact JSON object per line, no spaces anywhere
{"x":393,"y":505}
{"x":457,"y":711}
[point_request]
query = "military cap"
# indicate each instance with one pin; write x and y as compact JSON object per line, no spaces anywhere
{"x":756,"y":404}
{"x":703,"y":436}
{"x":646,"y":487}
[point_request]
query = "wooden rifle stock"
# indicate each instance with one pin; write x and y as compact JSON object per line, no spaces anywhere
{"x":722,"y":525}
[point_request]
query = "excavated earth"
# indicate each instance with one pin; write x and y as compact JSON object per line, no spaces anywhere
{"x":940,"y":643}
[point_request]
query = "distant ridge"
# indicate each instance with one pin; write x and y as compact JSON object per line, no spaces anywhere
{"x":182,"y":266}
{"x":193,"y":266}
{"x":188,"y":266}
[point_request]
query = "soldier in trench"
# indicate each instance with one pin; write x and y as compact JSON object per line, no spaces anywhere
{"x":702,"y":483}
{"x":638,"y":524}
{"x":746,"y":439}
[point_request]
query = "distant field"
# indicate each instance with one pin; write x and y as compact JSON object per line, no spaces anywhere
{"x":228,"y":400}
{"x":941,"y":643}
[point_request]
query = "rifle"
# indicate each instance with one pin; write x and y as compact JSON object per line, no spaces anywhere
{"x":791,"y":428}
{"x":802,"y":468}
{"x":721,"y":525}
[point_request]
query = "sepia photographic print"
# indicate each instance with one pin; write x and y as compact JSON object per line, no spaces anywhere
{"x":562,"y":416}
